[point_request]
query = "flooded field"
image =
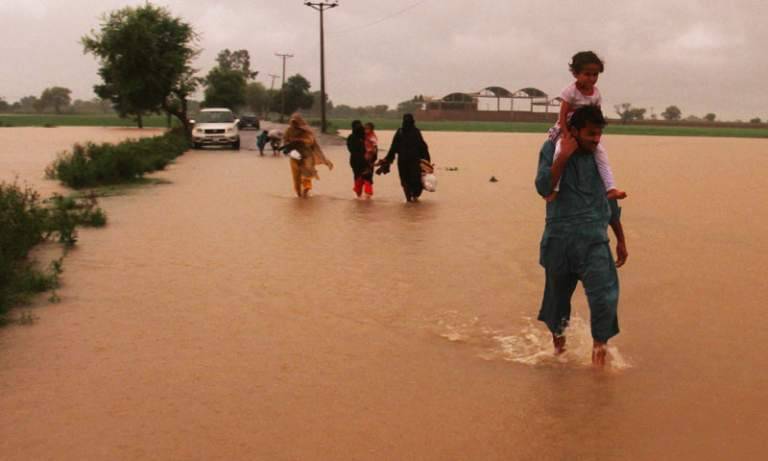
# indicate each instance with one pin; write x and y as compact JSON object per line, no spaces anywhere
{"x":25,"y":152}
{"x":219,"y":317}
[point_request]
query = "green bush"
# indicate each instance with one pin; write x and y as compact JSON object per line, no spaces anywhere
{"x":25,"y":221}
{"x":22,"y":221}
{"x":92,"y":164}
{"x":65,"y":214}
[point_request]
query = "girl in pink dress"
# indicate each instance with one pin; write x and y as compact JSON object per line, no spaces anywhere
{"x":585,"y":66}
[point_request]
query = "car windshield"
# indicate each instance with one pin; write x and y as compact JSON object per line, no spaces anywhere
{"x":216,"y":117}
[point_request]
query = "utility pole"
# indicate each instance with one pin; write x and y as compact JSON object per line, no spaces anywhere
{"x":271,"y":90}
{"x":282,"y":87}
{"x":272,"y":85}
{"x":321,"y":7}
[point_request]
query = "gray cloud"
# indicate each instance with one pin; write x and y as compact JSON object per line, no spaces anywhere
{"x":701,"y":55}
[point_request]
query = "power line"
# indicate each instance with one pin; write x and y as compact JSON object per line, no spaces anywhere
{"x":380,"y":20}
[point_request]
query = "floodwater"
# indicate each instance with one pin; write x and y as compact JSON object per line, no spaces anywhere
{"x":26,"y":152}
{"x":219,"y":317}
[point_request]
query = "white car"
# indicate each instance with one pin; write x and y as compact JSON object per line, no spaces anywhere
{"x":216,"y":127}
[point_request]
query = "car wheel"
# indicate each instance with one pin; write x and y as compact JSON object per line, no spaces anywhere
{"x":236,"y":144}
{"x":197,"y":145}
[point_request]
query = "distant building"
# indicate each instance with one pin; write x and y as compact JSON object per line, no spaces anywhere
{"x":493,"y":103}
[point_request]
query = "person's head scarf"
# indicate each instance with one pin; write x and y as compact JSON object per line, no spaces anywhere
{"x":299,"y":130}
{"x":408,"y":122}
{"x":358,"y":129}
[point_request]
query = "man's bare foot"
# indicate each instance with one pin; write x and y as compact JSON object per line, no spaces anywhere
{"x":559,"y":343}
{"x":599,"y":352}
{"x":616,"y":194}
{"x":551,"y":197}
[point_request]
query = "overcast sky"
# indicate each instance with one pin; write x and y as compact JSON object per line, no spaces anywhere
{"x":704,"y":56}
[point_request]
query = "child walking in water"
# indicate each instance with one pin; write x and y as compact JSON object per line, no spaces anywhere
{"x":261,"y":141}
{"x":371,"y":155}
{"x":585,"y":66}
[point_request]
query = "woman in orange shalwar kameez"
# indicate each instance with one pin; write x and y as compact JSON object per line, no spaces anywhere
{"x":300,"y":138}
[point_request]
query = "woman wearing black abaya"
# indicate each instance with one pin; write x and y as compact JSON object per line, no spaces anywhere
{"x":410,"y":148}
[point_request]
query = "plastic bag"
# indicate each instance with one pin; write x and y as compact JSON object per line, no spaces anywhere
{"x":294,"y":154}
{"x":429,"y":181}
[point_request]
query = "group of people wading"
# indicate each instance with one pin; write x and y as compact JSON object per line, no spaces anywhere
{"x":408,"y":146}
{"x":573,"y":176}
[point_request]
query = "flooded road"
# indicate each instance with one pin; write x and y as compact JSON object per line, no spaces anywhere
{"x":219,"y":317}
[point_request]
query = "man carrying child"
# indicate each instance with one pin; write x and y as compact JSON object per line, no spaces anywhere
{"x":574,"y":246}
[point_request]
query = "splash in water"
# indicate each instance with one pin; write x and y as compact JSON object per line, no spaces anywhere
{"x":532,"y":345}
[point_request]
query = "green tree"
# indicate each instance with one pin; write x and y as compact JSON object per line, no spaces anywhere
{"x":672,"y":113}
{"x":4,"y":106}
{"x":257,"y":97}
{"x":379,"y":110}
{"x":344,"y":111}
{"x":297,"y":95}
{"x":710,"y":117}
{"x":755,"y":120}
{"x":92,"y":106}
{"x":238,"y":60}
{"x":29,"y":104}
{"x":105,"y":105}
{"x":145,"y":57}
{"x":627,"y":113}
{"x":226,"y":85}
{"x":225,"y":88}
{"x":638,"y":113}
{"x":316,"y":103}
{"x":56,"y":97}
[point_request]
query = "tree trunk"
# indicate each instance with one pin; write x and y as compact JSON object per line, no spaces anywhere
{"x":181,"y":115}
{"x":140,"y":121}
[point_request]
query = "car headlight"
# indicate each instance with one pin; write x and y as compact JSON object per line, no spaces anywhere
{"x":230,"y":130}
{"x":198,"y":131}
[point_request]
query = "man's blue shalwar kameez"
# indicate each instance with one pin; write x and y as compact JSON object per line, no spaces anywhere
{"x":575,"y":244}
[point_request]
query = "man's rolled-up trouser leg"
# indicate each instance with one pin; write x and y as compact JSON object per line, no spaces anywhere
{"x":601,"y":284}
{"x":558,"y":288}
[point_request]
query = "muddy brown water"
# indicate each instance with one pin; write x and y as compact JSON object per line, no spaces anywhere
{"x":219,"y":317}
